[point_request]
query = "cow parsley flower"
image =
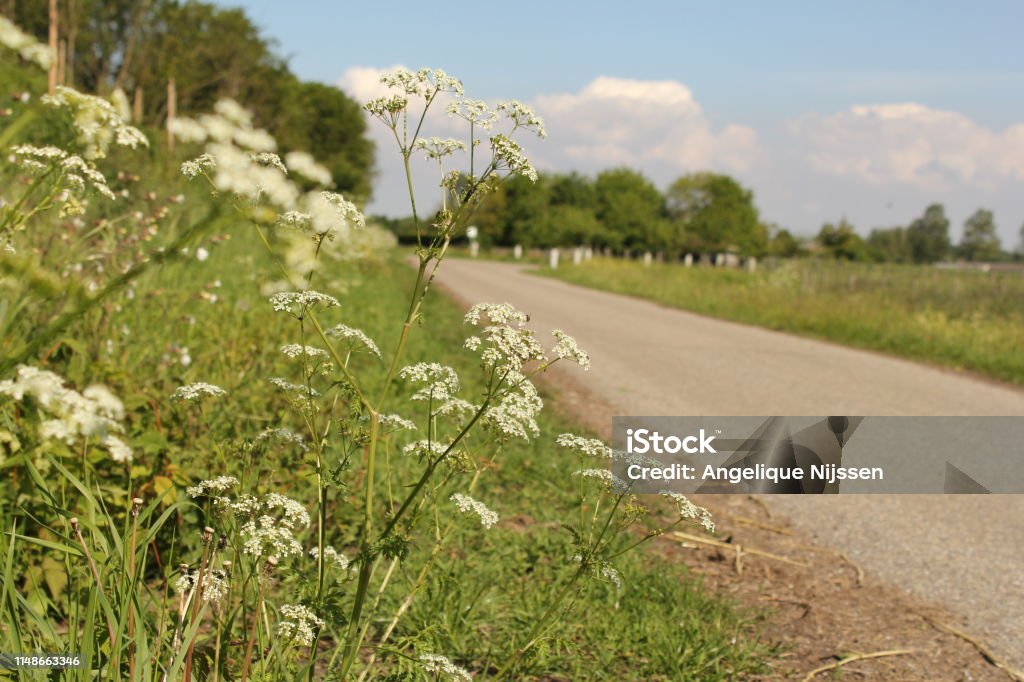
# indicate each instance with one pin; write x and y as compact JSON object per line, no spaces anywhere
{"x":188,"y":130}
{"x":98,"y":122}
{"x":268,"y":536}
{"x":197,"y":391}
{"x":269,"y":159}
{"x":567,"y":349}
{"x":215,"y":584}
{"x":198,"y":165}
{"x":331,"y":213}
{"x":423,"y":83}
{"x":294,"y":350}
{"x":332,"y":556}
{"x":394,"y":422}
{"x":299,"y":303}
{"x":422,"y":447}
{"x":688,"y":510}
{"x":437,"y":148}
{"x":508,"y":155}
{"x":282,"y":435}
{"x":475,"y":111}
{"x":506,"y":344}
{"x":523,"y":116}
{"x":356,"y":336}
{"x":27,"y":47}
{"x":591,"y":447}
{"x":606,"y":477}
{"x":442,"y":381}
{"x":298,"y":625}
{"x":305,"y":165}
{"x":467,"y":505}
{"x":289,"y":387}
{"x":515,"y":413}
{"x":213,"y":486}
{"x":440,"y":665}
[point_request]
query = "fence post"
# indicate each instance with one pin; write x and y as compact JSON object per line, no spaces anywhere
{"x":172,"y":112}
{"x":647,"y":259}
{"x":54,"y":48}
{"x":553,"y":258}
{"x":517,"y":251}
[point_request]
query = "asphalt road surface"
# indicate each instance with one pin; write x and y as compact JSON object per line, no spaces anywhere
{"x":964,"y":551}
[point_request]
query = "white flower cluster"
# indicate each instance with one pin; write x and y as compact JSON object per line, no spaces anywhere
{"x":566,"y":348}
{"x":591,"y":447}
{"x":298,"y":624}
{"x":507,"y":344}
{"x":467,"y":505}
{"x":75,"y":173}
{"x":475,"y":111}
{"x":394,"y":422}
{"x":423,"y":83}
{"x":441,"y":381}
{"x":611,"y":574}
{"x":299,"y":303}
{"x":281,"y":435}
{"x":197,"y":392}
{"x":332,"y":556}
{"x":332,"y":214}
{"x":606,"y":477}
{"x":294,"y":350}
{"x":289,"y":387}
{"x":269,"y":535}
{"x":688,"y":510}
{"x":508,"y":155}
{"x":523,"y":116}
{"x":305,"y":165}
{"x":356,"y":336}
{"x":98,"y":122}
{"x":200,"y":164}
{"x":438,"y":148}
{"x":218,"y":485}
{"x":422,"y":447}
{"x":27,"y":47}
{"x":269,"y":159}
{"x":215,"y":584}
{"x":95,"y":412}
{"x":515,"y":413}
{"x":440,"y":665}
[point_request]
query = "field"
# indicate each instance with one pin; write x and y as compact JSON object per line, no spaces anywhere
{"x":244,"y":442}
{"x":965,"y":320}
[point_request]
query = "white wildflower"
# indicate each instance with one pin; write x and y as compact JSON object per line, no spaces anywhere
{"x":610,"y":574}
{"x":515,"y":414}
{"x":468,"y":505}
{"x":473,"y":110}
{"x":294,"y":350}
{"x":331,"y":213}
{"x":267,"y":536}
{"x":188,"y":130}
{"x":30,"y":49}
{"x":357,"y":336}
{"x":200,"y":164}
{"x":508,"y":155}
{"x":440,"y":665}
{"x":422,"y":447}
{"x":442,"y":381}
{"x":688,"y":510}
{"x":298,"y":303}
{"x":567,"y":349}
{"x":202,"y":254}
{"x":606,"y":477}
{"x":523,"y":116}
{"x":289,"y":387}
{"x":282,"y":435}
{"x":212,"y":486}
{"x":215,"y":584}
{"x":591,"y":447}
{"x":438,"y":148}
{"x":197,"y":391}
{"x":269,"y":159}
{"x":98,"y":122}
{"x":332,"y":556}
{"x":298,"y":625}
{"x":305,"y":165}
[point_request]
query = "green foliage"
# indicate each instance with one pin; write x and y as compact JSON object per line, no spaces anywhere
{"x":980,"y":241}
{"x":211,"y":52}
{"x":841,"y":241}
{"x":716,"y":213}
{"x":928,"y":236}
{"x":889,"y":245}
{"x":632,"y":211}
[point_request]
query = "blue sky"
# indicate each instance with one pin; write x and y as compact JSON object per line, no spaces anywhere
{"x":790,"y":73}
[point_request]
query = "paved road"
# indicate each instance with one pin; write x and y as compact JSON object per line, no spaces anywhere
{"x":966,"y":552}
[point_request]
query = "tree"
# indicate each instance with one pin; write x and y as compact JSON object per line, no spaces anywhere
{"x":889,"y":245}
{"x":783,"y":244}
{"x":928,"y":236}
{"x":980,"y":241}
{"x":632,"y":211}
{"x":841,"y":241}
{"x":716,"y":212}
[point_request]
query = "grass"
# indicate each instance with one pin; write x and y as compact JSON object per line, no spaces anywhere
{"x":486,"y":587}
{"x":965,"y":320}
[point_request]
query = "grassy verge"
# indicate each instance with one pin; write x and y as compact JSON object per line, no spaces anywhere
{"x":486,"y":588}
{"x":964,"y":320}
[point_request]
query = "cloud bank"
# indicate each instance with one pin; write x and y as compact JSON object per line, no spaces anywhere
{"x":876,"y":164}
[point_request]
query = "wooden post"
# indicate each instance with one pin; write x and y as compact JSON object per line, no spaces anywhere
{"x":172,"y":111}
{"x":54,"y":47}
{"x":137,"y":106}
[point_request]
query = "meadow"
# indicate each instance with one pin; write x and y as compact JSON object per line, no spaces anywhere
{"x":965,"y":320}
{"x":240,"y":438}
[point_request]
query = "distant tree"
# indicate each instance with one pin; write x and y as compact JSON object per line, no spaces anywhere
{"x":1020,"y":242}
{"x":783,"y":244}
{"x":573,"y":190}
{"x":980,"y":241}
{"x":716,"y":212}
{"x":632,"y":210}
{"x":889,"y":245}
{"x":526,"y":203}
{"x":841,"y":241}
{"x":928,"y":236}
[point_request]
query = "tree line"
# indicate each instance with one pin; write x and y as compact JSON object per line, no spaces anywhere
{"x":621,"y":211}
{"x":210,"y":52}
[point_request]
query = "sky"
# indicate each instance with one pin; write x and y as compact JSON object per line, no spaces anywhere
{"x":864,"y":110}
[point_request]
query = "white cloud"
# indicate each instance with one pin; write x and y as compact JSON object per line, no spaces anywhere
{"x":911,"y":144}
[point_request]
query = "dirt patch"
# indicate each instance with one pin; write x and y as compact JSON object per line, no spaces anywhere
{"x":816,"y":604}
